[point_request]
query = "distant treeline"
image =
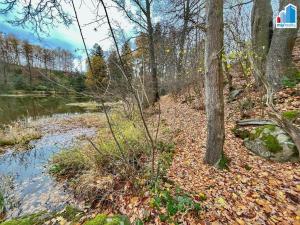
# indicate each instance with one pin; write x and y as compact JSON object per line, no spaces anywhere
{"x":24,"y":66}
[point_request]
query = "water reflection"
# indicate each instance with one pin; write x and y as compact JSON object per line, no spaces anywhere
{"x":29,"y":188}
{"x":19,"y":107}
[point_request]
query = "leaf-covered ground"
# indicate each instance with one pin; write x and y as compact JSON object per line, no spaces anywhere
{"x":252,"y":191}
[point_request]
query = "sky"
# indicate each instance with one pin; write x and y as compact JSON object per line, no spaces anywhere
{"x":69,"y":37}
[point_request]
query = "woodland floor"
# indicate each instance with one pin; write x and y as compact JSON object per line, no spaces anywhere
{"x":268,"y":193}
{"x":253,"y":190}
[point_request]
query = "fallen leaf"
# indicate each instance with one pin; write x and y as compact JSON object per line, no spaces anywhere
{"x":240,"y":221}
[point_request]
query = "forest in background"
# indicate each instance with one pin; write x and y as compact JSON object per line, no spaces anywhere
{"x":28,"y":67}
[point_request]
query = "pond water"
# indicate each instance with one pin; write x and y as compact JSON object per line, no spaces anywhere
{"x":28,"y":187}
{"x":14,"y":107}
{"x":24,"y":179}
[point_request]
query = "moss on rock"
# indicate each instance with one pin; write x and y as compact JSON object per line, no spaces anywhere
{"x":291,"y":115}
{"x":259,"y":131}
{"x":240,"y":133}
{"x":271,"y":143}
{"x":103,"y":219}
{"x":33,"y":219}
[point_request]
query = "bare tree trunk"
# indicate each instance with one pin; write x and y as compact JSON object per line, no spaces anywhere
{"x":186,"y":17}
{"x":261,"y":31}
{"x":153,"y":65}
{"x":5,"y":64}
{"x":4,"y":73}
{"x":30,"y":74}
{"x":214,"y":100}
{"x":279,"y":59}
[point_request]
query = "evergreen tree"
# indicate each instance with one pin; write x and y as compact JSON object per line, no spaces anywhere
{"x":127,"y":60}
{"x":119,"y":84}
{"x":96,"y":76}
{"x":97,"y":51}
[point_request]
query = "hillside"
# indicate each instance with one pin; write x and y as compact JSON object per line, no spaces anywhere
{"x":18,"y":80}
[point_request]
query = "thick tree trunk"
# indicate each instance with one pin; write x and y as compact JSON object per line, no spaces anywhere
{"x":261,"y":31}
{"x":214,"y":82}
{"x":153,"y":65}
{"x":279,"y":59}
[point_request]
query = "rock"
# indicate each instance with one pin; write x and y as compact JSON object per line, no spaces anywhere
{"x":234,"y":94}
{"x":257,"y":147}
{"x":271,"y":142}
{"x":240,"y":133}
{"x":282,"y":138}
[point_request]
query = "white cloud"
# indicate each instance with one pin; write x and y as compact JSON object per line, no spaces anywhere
{"x":87,"y":13}
{"x":69,"y":37}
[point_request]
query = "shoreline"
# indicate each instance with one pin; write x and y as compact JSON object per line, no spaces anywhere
{"x":57,"y":133}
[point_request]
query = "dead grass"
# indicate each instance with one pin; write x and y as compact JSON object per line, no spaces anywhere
{"x":18,"y":134}
{"x":92,"y":105}
{"x":97,"y":165}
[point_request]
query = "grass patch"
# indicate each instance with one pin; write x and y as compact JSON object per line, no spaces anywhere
{"x":70,"y":214}
{"x":86,"y":105}
{"x":224,"y":162}
{"x":93,"y":169}
{"x":2,"y":207}
{"x":166,"y":155}
{"x":172,"y":205}
{"x":92,"y":105}
{"x":103,"y":158}
{"x":69,"y":163}
{"x":291,"y":79}
{"x":18,"y":134}
{"x":98,"y":220}
{"x":132,"y":142}
{"x":34,"y":219}
{"x":291,"y":115}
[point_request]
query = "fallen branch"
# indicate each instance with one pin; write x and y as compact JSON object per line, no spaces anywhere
{"x":255,"y":122}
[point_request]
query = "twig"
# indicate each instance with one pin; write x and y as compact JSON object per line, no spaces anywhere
{"x":158,"y":123}
{"x":130,"y":86}
{"x":240,"y":4}
{"x":90,"y":64}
